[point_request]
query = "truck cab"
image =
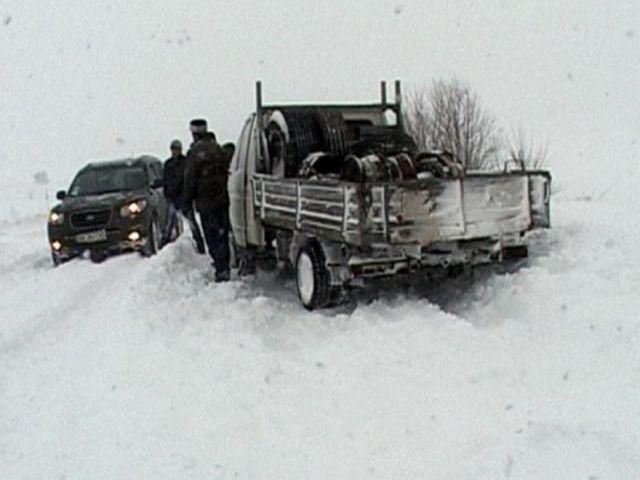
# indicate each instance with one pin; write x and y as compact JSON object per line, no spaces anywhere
{"x":247,"y":160}
{"x":276,"y":137}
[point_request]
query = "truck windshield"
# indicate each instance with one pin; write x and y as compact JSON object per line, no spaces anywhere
{"x":97,"y":181}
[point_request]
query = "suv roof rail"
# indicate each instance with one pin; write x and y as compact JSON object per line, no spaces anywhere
{"x":131,"y":160}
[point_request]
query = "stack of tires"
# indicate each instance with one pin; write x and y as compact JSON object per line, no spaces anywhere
{"x":294,"y":134}
{"x":308,"y":142}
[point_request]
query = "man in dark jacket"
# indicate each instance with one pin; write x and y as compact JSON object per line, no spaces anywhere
{"x":205,"y":183}
{"x":173,"y":191}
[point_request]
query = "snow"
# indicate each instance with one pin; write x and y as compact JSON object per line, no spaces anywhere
{"x":145,"y":368}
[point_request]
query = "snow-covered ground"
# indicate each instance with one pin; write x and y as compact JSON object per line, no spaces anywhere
{"x":145,"y":369}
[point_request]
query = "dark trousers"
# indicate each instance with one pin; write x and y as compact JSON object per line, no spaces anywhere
{"x":170,"y":224}
{"x":175,"y":206}
{"x":215,"y":225}
{"x":190,"y":215}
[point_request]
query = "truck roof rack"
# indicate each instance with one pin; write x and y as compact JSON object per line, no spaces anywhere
{"x":383,"y":105}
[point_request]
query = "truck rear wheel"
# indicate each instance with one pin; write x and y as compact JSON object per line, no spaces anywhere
{"x":312,"y":277}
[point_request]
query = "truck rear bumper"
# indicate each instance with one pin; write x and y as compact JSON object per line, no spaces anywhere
{"x":387,"y":260}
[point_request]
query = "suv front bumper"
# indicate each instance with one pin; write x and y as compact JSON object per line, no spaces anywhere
{"x":126,"y":235}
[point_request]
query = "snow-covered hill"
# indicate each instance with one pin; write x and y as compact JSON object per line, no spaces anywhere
{"x":144,"y":369}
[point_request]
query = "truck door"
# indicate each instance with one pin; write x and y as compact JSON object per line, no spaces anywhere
{"x":239,"y":185}
{"x":255,"y":163}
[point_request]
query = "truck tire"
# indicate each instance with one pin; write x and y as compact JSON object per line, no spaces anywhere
{"x":291,"y":136}
{"x":334,"y":132}
{"x":312,"y":277}
{"x":304,"y":138}
{"x":276,"y":138}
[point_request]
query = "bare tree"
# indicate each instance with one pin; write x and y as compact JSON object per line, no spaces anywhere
{"x":449,"y":117}
{"x":416,"y":112}
{"x":523,"y":149}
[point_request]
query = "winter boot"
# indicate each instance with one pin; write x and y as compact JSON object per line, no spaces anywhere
{"x":223,"y":276}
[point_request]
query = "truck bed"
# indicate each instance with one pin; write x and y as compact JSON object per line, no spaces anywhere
{"x":478,"y":205}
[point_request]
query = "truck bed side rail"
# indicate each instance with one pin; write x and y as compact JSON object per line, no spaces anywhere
{"x":479,"y":205}
{"x":328,"y":209}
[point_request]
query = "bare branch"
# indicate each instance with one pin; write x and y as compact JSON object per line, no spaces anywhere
{"x":523,"y":148}
{"x":449,"y":117}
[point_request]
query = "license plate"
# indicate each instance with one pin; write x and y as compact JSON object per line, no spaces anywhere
{"x":92,"y":237}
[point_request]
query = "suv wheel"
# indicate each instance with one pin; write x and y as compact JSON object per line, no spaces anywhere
{"x":57,"y":261}
{"x":97,"y":256}
{"x":153,"y":240}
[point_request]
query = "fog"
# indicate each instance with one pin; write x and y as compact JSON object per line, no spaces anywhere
{"x":88,"y":79}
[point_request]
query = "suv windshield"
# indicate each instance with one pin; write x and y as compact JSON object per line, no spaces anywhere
{"x":119,"y":178}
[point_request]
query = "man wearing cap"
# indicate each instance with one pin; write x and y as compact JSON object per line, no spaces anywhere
{"x":205,"y":183}
{"x":173,"y":191}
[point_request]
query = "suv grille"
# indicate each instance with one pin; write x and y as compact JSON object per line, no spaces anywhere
{"x":94,"y":218}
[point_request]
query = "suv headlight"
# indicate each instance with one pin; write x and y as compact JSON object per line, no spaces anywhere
{"x":132,"y":209}
{"x":56,"y":218}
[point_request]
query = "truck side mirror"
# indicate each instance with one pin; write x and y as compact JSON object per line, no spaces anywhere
{"x":157,"y":183}
{"x":61,"y":194}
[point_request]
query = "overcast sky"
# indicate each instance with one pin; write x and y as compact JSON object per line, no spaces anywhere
{"x":100,"y":79}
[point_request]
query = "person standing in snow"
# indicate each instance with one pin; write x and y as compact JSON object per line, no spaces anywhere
{"x":229,"y":149}
{"x":173,"y":191}
{"x":205,"y":183}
